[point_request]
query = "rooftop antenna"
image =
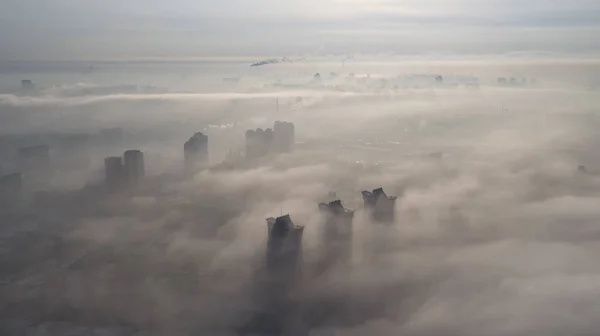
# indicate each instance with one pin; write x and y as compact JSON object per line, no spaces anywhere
{"x":281,"y":210}
{"x":278,"y":105}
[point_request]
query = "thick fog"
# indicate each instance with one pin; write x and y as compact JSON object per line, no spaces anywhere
{"x":496,"y":227}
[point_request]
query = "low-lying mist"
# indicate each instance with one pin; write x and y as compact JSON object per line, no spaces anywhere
{"x":496,"y":229}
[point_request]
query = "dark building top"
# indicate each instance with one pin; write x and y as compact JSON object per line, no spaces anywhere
{"x":284,"y":245}
{"x":280,"y":227}
{"x":27,"y":84}
{"x":196,"y":151}
{"x":134,"y":165}
{"x":196,"y":141}
{"x":381,"y":205}
{"x":335,"y":208}
{"x":371,"y":198}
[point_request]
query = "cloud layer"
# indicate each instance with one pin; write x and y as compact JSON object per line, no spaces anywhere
{"x":498,"y":237}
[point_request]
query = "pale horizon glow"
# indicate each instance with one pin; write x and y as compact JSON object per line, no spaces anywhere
{"x":185,"y":29}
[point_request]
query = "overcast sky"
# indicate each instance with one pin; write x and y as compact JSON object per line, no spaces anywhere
{"x":174,"y":29}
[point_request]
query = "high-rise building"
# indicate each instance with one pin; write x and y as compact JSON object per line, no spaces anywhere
{"x":337,"y":233}
{"x":381,"y":206}
{"x":284,"y":246}
{"x":196,"y":152}
{"x":34,"y":157}
{"x":284,"y":136}
{"x":258,"y":143}
{"x":134,"y":165}
{"x":114,"y":171}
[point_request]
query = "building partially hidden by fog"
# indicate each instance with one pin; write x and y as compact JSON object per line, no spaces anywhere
{"x":34,"y":157}
{"x":337,"y":233}
{"x":114,"y":171}
{"x":258,"y":143}
{"x":27,"y":85}
{"x":134,"y":166}
{"x":381,"y":206}
{"x":195,"y":151}
{"x":284,"y":137}
{"x":274,"y":310}
{"x":284,"y":246}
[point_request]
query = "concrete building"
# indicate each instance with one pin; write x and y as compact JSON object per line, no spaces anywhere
{"x":284,"y":246}
{"x":134,"y":166}
{"x":381,"y":206}
{"x":114,"y":171}
{"x":337,"y":233}
{"x":284,"y":137}
{"x":34,"y":157}
{"x":258,"y":143}
{"x":196,"y":152}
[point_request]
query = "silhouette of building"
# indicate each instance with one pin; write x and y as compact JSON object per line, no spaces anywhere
{"x":381,"y":206}
{"x":284,"y":246}
{"x":258,"y":143}
{"x":27,"y":85}
{"x":34,"y":157}
{"x":114,"y":171}
{"x":134,"y":166}
{"x":337,"y":233}
{"x":284,"y":136}
{"x":196,"y":152}
{"x":10,"y":187}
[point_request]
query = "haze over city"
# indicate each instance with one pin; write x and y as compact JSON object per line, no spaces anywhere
{"x":335,"y":167}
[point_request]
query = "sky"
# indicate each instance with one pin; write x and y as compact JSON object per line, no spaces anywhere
{"x":131,"y":29}
{"x":183,"y":29}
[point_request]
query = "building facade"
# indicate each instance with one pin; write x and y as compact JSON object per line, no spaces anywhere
{"x":134,"y":168}
{"x":338,"y":233}
{"x":196,"y":152}
{"x":380,"y":206}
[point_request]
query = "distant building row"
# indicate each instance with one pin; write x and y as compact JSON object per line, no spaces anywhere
{"x":127,"y":170}
{"x":261,"y":142}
